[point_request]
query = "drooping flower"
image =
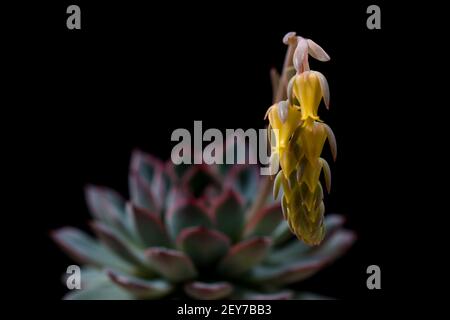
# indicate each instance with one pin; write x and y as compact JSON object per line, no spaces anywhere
{"x":309,"y":88}
{"x":299,"y":139}
{"x":284,"y":120}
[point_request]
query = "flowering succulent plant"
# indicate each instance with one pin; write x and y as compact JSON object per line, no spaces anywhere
{"x":210,"y":231}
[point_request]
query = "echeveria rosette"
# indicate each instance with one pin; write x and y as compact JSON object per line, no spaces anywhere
{"x":186,"y":233}
{"x":299,"y":138}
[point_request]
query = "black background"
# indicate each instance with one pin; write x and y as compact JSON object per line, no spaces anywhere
{"x":136,"y":72}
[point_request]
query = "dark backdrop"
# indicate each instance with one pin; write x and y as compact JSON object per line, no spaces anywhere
{"x":134,"y":73}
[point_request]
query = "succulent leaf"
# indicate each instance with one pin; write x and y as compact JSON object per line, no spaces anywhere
{"x":335,"y":245}
{"x":204,"y":246}
{"x":140,"y":288}
{"x":171,"y":264}
{"x":95,"y":285}
{"x":86,"y":250}
{"x":197,"y":178}
{"x":90,"y":276}
{"x":285,"y":274}
{"x":244,"y":179}
{"x":187,"y":214}
{"x":235,"y":144}
{"x":147,"y":181}
{"x":244,"y":255}
{"x":281,"y":234}
{"x":290,"y":252}
{"x":141,"y":194}
{"x":178,"y":170}
{"x":150,"y":169}
{"x":308,"y":265}
{"x":208,"y":291}
{"x":229,"y":214}
{"x":107,"y":206}
{"x":119,"y":245}
{"x":104,"y":291}
{"x":148,"y":227}
{"x":264,"y":222}
{"x":333,"y":222}
{"x":295,"y":250}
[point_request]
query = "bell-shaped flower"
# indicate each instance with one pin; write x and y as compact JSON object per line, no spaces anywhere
{"x":284,"y":120}
{"x":309,"y":88}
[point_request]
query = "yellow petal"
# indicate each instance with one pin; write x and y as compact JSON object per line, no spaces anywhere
{"x":326,"y":173}
{"x":282,"y":110}
{"x":284,"y":131}
{"x":311,"y":174}
{"x":267,"y":113}
{"x":312,"y":140}
{"x":308,"y":91}
{"x":331,"y":140}
{"x":274,"y":163}
{"x":277,"y":184}
{"x":324,"y":88}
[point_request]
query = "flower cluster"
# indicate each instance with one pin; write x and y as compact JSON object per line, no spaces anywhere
{"x":298,"y":137}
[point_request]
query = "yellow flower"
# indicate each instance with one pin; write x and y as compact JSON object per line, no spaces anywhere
{"x":284,"y":119}
{"x":309,"y":87}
